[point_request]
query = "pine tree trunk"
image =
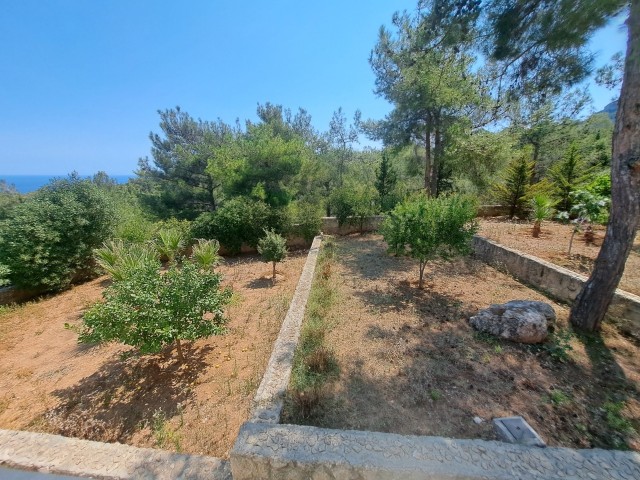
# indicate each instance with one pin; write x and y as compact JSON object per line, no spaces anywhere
{"x":274,"y":272}
{"x":428,"y":159}
{"x":593,"y":300}
{"x":437,"y":158}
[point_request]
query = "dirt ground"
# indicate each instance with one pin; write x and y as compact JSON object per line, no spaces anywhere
{"x":553,"y":244}
{"x":49,"y":383}
{"x":410,"y":363}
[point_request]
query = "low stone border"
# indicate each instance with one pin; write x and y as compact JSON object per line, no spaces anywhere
{"x":299,"y":452}
{"x":71,"y":456}
{"x":555,"y":281}
{"x":270,"y":396}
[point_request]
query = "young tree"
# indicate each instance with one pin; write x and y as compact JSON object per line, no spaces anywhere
{"x":149,"y":309}
{"x":542,"y":209}
{"x":568,"y":176}
{"x":514,"y":192}
{"x":541,"y":45}
{"x":426,"y":228}
{"x":386,"y":179}
{"x":273,"y":248}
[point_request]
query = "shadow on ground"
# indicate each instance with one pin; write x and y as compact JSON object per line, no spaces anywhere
{"x":125,"y":395}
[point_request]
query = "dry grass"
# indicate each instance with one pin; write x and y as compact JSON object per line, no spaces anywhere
{"x":411,"y":364}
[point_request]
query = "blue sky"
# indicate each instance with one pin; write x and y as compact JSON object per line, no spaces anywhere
{"x":81,"y":80}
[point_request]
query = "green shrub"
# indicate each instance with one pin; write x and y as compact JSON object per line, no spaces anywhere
{"x":425,"y":228}
{"x":49,"y":238}
{"x":4,"y":275}
{"x":120,"y":260}
{"x":170,"y":243}
{"x":541,"y":209}
{"x":307,"y":220}
{"x":205,"y":253}
{"x":149,"y":309}
{"x":273,"y":248}
{"x":353,"y":204}
{"x":240,"y":220}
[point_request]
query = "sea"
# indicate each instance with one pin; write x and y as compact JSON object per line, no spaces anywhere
{"x":31,"y":183}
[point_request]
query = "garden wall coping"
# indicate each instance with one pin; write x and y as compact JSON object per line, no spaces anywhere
{"x":270,"y":395}
{"x":72,"y":456}
{"x":302,"y":452}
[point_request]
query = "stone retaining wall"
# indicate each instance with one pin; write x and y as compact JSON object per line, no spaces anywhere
{"x":300,"y":452}
{"x":555,"y":281}
{"x":71,"y":456}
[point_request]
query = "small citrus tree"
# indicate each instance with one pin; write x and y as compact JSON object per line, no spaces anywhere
{"x":150,"y":309}
{"x":426,"y":228}
{"x":273,"y":248}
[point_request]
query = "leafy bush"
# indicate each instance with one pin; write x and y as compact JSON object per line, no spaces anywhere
{"x":4,"y":275}
{"x":149,"y":309}
{"x":273,"y":248}
{"x":205,"y":253}
{"x":49,"y":238}
{"x":240,"y":220}
{"x":425,"y":228}
{"x":170,"y":243}
{"x":120,"y":260}
{"x":307,"y":220}
{"x":353,"y":204}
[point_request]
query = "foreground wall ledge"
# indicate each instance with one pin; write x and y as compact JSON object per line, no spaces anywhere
{"x":71,"y":456}
{"x":302,"y":452}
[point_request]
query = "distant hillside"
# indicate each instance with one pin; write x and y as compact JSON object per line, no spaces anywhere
{"x":611,"y":110}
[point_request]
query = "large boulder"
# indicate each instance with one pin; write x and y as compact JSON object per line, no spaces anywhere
{"x":523,"y":321}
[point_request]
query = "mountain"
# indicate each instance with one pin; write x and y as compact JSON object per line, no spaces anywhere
{"x":611,"y":110}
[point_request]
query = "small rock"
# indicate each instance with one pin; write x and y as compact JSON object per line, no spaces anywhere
{"x":478,"y":420}
{"x":523,"y":321}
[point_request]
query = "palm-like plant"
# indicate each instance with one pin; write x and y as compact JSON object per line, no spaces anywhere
{"x":542,"y":209}
{"x":205,"y":254}
{"x":170,"y":243}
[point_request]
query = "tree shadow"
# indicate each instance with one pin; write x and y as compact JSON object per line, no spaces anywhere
{"x":262,"y":282}
{"x":126,"y":394}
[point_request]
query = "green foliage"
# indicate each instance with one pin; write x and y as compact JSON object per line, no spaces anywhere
{"x":4,"y":275}
{"x":307,"y":220}
{"x":590,"y":208}
{"x":568,"y":176}
{"x":120,"y":260}
{"x":9,"y":197}
{"x":541,"y":208}
{"x":386,"y":180}
{"x":205,"y":253}
{"x":353,"y":203}
{"x":272,"y":247}
{"x":240,"y":220}
{"x":170,"y":243}
{"x":559,"y":345}
{"x":176,"y":182}
{"x":514,"y":191}
{"x":48,"y":239}
{"x":615,"y":420}
{"x":600,"y":185}
{"x":426,"y":228}
{"x":150,"y":309}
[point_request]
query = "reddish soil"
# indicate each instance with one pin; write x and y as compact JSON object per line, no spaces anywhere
{"x":49,"y":383}
{"x":553,"y":245}
{"x":410,"y":363}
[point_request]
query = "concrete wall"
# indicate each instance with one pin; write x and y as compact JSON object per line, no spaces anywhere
{"x":296,"y":452}
{"x":555,"y":281}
